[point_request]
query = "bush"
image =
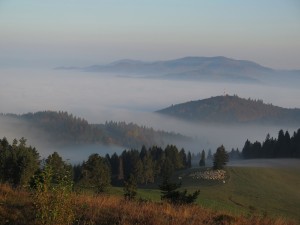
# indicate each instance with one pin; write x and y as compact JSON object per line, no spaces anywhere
{"x":52,"y":202}
{"x":171,"y":194}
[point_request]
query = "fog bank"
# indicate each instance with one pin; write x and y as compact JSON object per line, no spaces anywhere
{"x":104,"y":97}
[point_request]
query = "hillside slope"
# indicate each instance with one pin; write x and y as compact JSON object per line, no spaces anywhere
{"x":61,"y":128}
{"x":233,"y":109}
{"x":247,"y":190}
{"x":269,"y":191}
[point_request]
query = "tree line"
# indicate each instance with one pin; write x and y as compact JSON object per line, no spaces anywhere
{"x":19,"y":163}
{"x":285,"y":146}
{"x":53,"y":179}
{"x":145,"y":165}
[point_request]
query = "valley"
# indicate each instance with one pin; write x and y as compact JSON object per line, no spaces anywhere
{"x":149,"y":112}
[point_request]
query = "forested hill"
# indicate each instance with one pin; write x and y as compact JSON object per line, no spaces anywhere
{"x":62,"y":128}
{"x":233,"y":109}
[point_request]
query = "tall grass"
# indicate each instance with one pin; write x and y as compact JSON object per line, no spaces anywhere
{"x":15,"y":206}
{"x":114,"y":210}
{"x":104,"y":209}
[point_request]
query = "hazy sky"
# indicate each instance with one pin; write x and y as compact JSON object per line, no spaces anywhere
{"x":84,"y":32}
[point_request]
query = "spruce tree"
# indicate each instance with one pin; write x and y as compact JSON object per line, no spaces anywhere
{"x":202,"y":160}
{"x":220,"y":158}
{"x":189,"y":160}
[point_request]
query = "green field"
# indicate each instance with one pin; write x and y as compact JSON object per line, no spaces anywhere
{"x":264,"y":191}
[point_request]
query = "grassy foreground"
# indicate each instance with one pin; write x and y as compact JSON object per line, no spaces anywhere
{"x":249,"y":196}
{"x":16,"y":207}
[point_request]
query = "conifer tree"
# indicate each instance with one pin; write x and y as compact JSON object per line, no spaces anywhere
{"x":130,"y":188}
{"x":202,"y":160}
{"x":96,"y":173}
{"x":18,"y":162}
{"x":171,"y":194}
{"x":189,"y":160}
{"x":220,"y":158}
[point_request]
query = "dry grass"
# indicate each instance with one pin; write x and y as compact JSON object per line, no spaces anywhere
{"x":114,"y":210}
{"x":15,"y":208}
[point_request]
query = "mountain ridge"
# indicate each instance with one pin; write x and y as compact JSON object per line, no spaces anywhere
{"x":163,"y":66}
{"x":216,"y":68}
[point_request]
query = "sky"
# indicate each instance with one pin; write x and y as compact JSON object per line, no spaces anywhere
{"x":84,"y":32}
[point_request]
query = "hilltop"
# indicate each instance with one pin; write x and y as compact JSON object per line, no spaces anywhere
{"x":233,"y":109}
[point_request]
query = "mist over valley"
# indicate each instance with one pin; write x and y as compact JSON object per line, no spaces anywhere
{"x":150,"y":112}
{"x":100,"y":97}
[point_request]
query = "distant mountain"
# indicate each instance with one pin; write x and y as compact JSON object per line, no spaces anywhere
{"x":217,"y":68}
{"x":61,"y":128}
{"x":201,"y":64}
{"x":233,"y":109}
{"x":205,"y":68}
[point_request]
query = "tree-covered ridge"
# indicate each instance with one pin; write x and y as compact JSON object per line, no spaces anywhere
{"x":61,"y":125}
{"x":233,"y":109}
{"x":133,"y":135}
{"x":64,"y":128}
{"x":284,"y":146}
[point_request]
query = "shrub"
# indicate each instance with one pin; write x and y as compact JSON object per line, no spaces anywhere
{"x":52,"y":202}
{"x":171,"y":194}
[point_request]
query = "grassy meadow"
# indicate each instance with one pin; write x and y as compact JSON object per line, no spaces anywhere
{"x":248,"y":196}
{"x":266,"y":191}
{"x":247,"y":190}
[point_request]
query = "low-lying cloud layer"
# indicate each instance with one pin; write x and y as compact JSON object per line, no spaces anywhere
{"x":104,"y":97}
